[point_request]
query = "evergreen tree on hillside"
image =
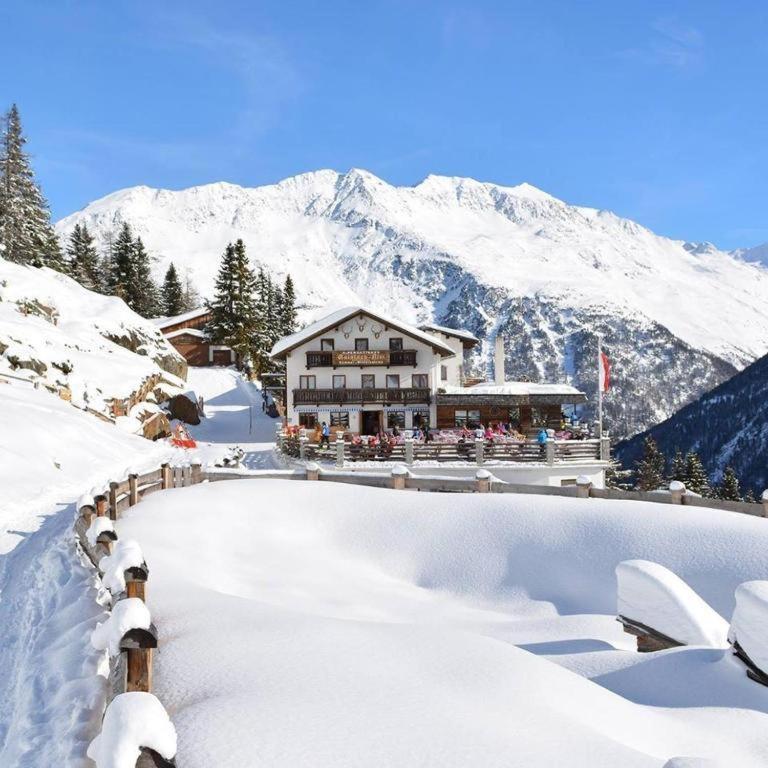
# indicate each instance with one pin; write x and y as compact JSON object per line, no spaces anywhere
{"x":173,"y":293}
{"x":26,"y":234}
{"x":729,"y":489}
{"x":749,"y":496}
{"x":678,"y":470}
{"x":265,"y":316}
{"x":288,"y":308}
{"x":143,"y":294}
{"x":649,"y":470}
{"x":121,"y":274}
{"x":618,"y":477}
{"x":233,"y":309}
{"x":696,"y":478}
{"x":84,"y":263}
{"x":191,"y":298}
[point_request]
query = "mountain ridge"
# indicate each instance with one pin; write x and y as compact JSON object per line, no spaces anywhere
{"x":493,"y":258}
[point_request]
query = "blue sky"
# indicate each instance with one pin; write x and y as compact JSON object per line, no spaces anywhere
{"x":656,"y":110}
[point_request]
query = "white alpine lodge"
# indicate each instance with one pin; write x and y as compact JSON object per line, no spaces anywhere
{"x":369,"y":376}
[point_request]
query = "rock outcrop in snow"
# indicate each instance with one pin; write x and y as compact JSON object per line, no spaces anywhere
{"x":492,"y":259}
{"x":94,"y":347}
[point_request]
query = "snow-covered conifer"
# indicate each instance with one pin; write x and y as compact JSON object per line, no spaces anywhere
{"x":729,"y":489}
{"x":173,"y":293}
{"x":649,"y":470}
{"x":696,"y":478}
{"x":83,"y":259}
{"x":26,"y":234}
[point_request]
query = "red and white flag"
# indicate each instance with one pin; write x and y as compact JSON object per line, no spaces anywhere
{"x":605,"y":372}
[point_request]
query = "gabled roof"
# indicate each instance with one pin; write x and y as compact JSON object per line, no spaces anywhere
{"x":469,"y":339}
{"x":185,"y":332}
{"x":334,"y":319}
{"x":164,"y":322}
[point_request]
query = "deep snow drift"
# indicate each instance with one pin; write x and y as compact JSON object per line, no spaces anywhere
{"x":350,"y":626}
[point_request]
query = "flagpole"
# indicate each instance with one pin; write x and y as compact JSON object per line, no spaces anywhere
{"x":599,"y":388}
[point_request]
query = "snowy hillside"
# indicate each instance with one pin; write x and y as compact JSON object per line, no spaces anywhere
{"x":727,"y":426}
{"x":54,"y":331}
{"x":514,"y":260}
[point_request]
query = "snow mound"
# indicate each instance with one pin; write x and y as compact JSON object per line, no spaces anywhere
{"x":132,"y":720}
{"x":655,"y":596}
{"x":131,"y":613}
{"x":379,"y":627}
{"x":98,"y":526}
{"x":749,"y":625}
{"x":694,"y":762}
{"x":126,"y":554}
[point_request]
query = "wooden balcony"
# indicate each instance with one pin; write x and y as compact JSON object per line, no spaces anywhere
{"x":361,"y":358}
{"x":403,"y":395}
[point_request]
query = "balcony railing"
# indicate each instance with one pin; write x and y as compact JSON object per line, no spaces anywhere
{"x":402,"y":395}
{"x":359,"y":358}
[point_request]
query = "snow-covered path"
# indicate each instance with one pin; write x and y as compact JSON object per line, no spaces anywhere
{"x":234,"y":417}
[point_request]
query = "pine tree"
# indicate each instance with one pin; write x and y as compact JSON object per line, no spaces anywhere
{"x":84,"y":263}
{"x":649,"y":470}
{"x":120,"y":271}
{"x":233,"y":309}
{"x":678,"y":469}
{"x":749,"y":497}
{"x":191,"y":298}
{"x":288,"y":308}
{"x":26,"y":234}
{"x":696,"y":478}
{"x":618,"y":477}
{"x":143,"y":294}
{"x":173,"y":293}
{"x":729,"y":489}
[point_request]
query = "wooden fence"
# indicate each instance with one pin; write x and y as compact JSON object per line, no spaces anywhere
{"x":131,"y":670}
{"x":477,"y":451}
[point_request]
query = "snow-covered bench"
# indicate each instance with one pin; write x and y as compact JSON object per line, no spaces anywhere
{"x":749,"y":628}
{"x":662,"y":611}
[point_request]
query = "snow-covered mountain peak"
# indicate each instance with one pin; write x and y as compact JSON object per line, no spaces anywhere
{"x":454,"y":250}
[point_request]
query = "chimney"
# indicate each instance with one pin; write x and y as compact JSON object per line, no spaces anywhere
{"x":498,"y":367}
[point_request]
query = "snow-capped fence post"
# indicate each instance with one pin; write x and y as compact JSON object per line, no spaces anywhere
{"x":764,"y":498}
{"x":550,"y":451}
{"x":197,"y":473}
{"x":483,"y":480}
{"x":677,"y":491}
{"x":101,"y":505}
{"x":409,"y":451}
{"x":113,"y":486}
{"x":165,"y":476}
{"x":479,"y":452}
{"x":186,"y":476}
{"x":340,"y":450}
{"x":583,"y":487}
{"x":133,"y":489}
{"x":313,"y":471}
{"x":605,"y":447}
{"x":279,"y":436}
{"x":399,"y":473}
{"x":138,"y":645}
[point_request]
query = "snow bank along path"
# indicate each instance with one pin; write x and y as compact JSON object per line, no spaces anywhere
{"x":343,"y":625}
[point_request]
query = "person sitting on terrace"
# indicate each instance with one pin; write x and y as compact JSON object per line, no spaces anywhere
{"x":488,"y":434}
{"x":465,"y":433}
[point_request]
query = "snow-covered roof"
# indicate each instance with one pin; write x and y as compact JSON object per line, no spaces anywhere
{"x":334,"y":319}
{"x":515,"y":388}
{"x":164,"y":322}
{"x":459,"y":333}
{"x":185,"y":332}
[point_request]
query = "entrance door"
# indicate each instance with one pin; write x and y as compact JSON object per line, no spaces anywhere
{"x":222,"y":357}
{"x":371,"y":422}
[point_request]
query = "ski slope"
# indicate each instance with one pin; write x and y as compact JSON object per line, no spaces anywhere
{"x":319,"y":624}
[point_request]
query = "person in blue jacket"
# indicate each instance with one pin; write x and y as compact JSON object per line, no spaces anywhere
{"x":541,"y":439}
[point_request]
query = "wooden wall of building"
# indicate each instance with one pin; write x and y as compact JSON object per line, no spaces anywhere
{"x":490,"y":414}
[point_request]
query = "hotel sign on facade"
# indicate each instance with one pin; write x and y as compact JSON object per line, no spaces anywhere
{"x":360,"y":357}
